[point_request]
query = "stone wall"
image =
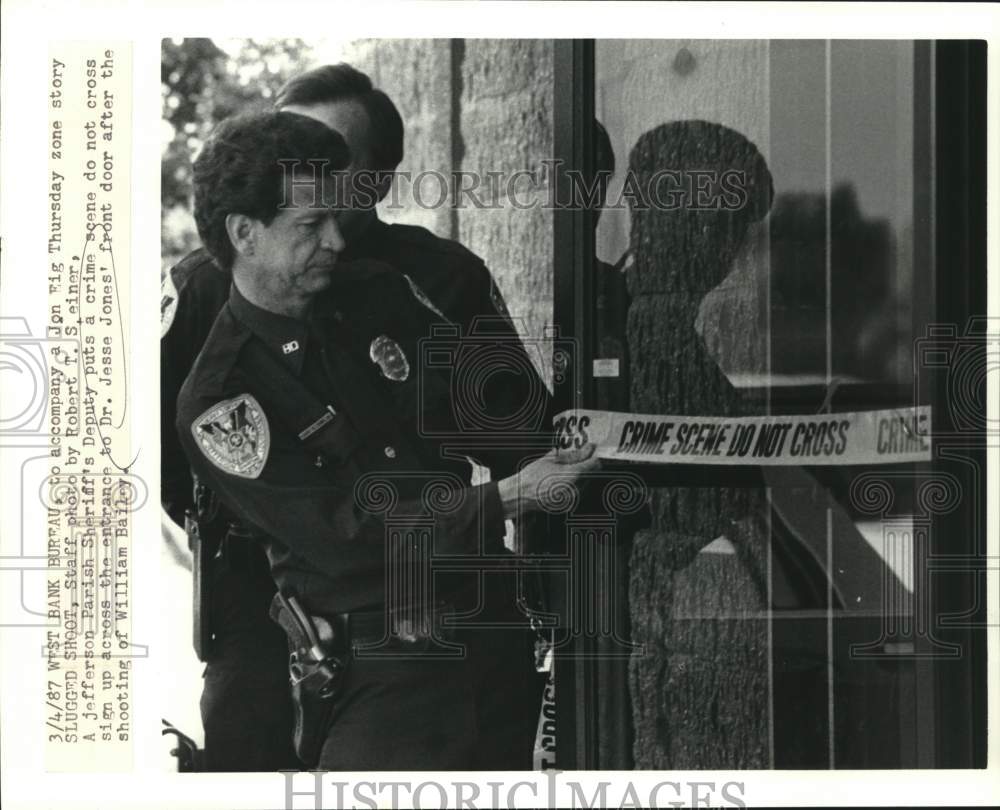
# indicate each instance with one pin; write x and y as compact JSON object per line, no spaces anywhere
{"x":476,"y":106}
{"x":506,"y":126}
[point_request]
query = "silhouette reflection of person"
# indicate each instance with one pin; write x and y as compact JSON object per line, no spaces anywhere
{"x":680,"y":254}
{"x":699,"y":691}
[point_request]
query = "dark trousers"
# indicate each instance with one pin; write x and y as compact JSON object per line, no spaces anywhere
{"x":246,"y":706}
{"x":479,"y":712}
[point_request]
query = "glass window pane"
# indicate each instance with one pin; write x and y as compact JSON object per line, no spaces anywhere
{"x":755,"y":602}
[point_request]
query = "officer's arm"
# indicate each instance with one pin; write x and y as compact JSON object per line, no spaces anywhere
{"x":191,"y":295}
{"x":332,"y":525}
{"x":175,"y":362}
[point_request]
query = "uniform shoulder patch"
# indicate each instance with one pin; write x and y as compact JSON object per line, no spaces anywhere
{"x":168,"y":303}
{"x":234,"y":436}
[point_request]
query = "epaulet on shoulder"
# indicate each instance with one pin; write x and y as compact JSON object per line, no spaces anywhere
{"x":418,"y":236}
{"x":191,"y":264}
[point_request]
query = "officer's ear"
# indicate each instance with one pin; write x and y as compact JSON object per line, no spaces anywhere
{"x":242,"y":232}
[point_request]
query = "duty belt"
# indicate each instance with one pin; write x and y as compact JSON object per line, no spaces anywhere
{"x":337,"y":633}
{"x":320,"y":653}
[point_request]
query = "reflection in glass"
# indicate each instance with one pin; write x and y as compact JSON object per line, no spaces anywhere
{"x":749,"y":601}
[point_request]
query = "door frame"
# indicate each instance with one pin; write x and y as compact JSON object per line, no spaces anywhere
{"x":950,"y":193}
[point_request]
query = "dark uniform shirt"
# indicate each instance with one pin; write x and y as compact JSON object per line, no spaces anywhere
{"x":501,"y":393}
{"x":454,"y":278}
{"x":451,"y":277}
{"x":326,"y":521}
{"x":194,"y":293}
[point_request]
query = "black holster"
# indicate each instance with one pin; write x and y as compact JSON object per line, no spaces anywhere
{"x":318,"y":655}
{"x":204,"y":534}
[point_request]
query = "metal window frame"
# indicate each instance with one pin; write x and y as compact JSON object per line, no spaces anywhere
{"x":950,"y":93}
{"x":958,"y":278}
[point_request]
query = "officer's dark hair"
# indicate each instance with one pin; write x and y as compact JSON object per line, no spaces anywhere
{"x":342,"y":82}
{"x":238,"y":170}
{"x":707,"y":238}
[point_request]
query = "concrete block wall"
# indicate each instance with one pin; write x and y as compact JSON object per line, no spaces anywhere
{"x":478,"y":106}
{"x":506,"y":126}
{"x":416,"y":74}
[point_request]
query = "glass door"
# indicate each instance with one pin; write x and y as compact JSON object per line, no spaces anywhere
{"x":779,"y":227}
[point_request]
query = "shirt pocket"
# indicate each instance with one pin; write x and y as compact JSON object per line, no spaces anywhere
{"x":334,"y":450}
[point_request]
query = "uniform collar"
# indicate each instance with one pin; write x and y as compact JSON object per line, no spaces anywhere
{"x":286,"y":337}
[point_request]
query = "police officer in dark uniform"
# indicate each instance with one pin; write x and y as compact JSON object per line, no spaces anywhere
{"x":445,"y":275}
{"x":246,"y":708}
{"x":311,"y":415}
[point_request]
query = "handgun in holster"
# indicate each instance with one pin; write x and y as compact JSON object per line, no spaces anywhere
{"x":318,"y":654}
{"x":205,"y":532}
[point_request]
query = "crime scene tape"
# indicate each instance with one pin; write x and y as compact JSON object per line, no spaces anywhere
{"x":894,"y":436}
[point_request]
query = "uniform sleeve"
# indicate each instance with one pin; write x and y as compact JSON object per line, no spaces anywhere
{"x":344,"y":520}
{"x":192,"y":294}
{"x":175,"y":475}
{"x":176,"y":482}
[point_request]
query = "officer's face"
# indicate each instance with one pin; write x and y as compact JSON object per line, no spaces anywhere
{"x":348,"y":118}
{"x":295,"y":256}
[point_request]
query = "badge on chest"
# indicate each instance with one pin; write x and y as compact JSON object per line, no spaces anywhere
{"x":388,"y":355}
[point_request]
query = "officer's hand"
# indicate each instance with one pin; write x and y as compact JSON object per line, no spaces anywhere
{"x":545,"y":484}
